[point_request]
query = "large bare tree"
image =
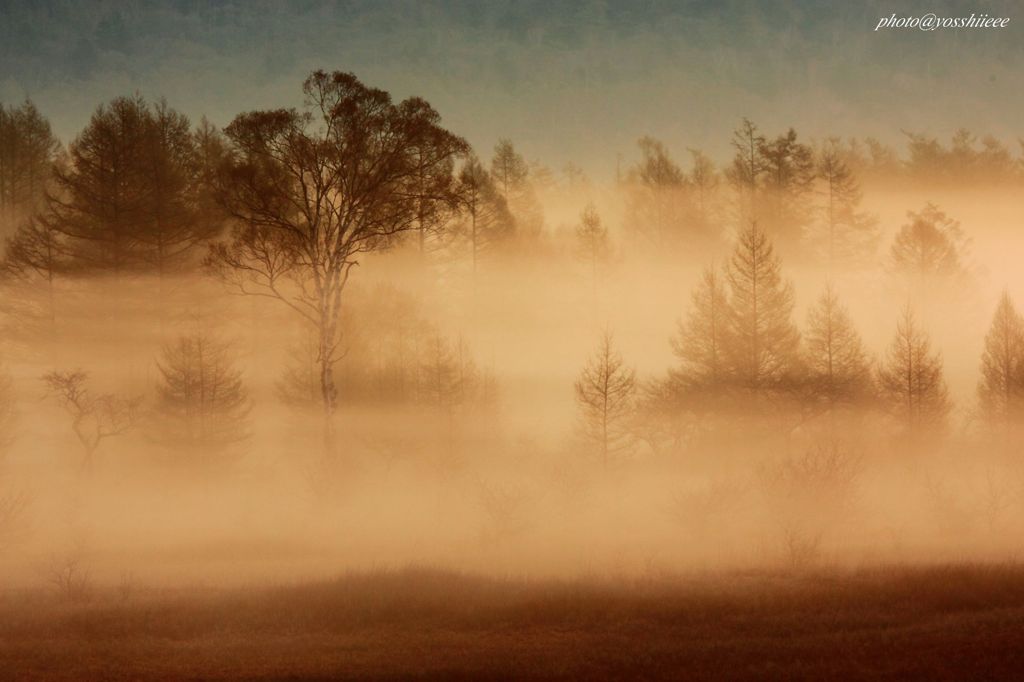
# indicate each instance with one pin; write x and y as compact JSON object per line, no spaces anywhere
{"x":310,"y":190}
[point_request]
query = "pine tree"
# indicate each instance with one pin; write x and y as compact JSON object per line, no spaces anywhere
{"x":511,"y":175}
{"x":930,"y":245}
{"x":486,"y":221}
{"x":763,"y":340}
{"x":592,"y":241}
{"x":130,"y":197}
{"x":604,"y":392}
{"x":656,"y":203}
{"x":850,"y":236}
{"x":203,"y":405}
{"x":1001,"y":389}
{"x":911,"y":376}
{"x":701,"y":343}
{"x":747,"y":169}
{"x":837,"y":366}
{"x":509,"y":169}
{"x":28,"y":150}
{"x":788,"y":180}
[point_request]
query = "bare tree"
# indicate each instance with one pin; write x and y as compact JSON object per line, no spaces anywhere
{"x":911,"y":376}
{"x":605,"y":390}
{"x":94,"y":418}
{"x":311,"y":191}
{"x":202,"y":406}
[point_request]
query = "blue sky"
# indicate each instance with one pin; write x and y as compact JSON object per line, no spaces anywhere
{"x":567,"y":81}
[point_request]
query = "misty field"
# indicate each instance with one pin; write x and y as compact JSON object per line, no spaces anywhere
{"x":327,"y":365}
{"x":943,"y":622}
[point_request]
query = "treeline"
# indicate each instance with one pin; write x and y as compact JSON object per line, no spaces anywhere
{"x":742,"y":358}
{"x":284,"y":203}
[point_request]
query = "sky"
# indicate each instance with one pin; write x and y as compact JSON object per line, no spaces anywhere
{"x":566,"y":81}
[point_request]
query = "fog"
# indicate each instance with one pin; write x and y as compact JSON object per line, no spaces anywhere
{"x":501,"y":479}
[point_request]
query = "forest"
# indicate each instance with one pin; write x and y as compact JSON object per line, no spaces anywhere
{"x":334,"y":331}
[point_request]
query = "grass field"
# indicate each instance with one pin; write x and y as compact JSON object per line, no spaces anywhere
{"x":934,"y":623}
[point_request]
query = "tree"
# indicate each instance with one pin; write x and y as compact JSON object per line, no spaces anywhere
{"x":1001,"y":389}
{"x":748,"y":166}
{"x":911,"y":376}
{"x":930,"y":245}
{"x":127,"y":200}
{"x":511,"y":174}
{"x":487,"y":221}
{"x":592,"y":240}
{"x":788,"y":177}
{"x":850,"y":236}
{"x":94,"y":418}
{"x":311,"y":191}
{"x":763,"y":340}
{"x":837,"y":366}
{"x":703,"y":180}
{"x":35,"y":252}
{"x":173,"y":224}
{"x":509,"y":169}
{"x":202,"y":405}
{"x":604,"y":393}
{"x":701,"y":343}
{"x":28,"y":150}
{"x":657,"y":204}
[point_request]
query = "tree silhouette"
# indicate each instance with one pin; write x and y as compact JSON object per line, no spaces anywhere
{"x":911,"y":376}
{"x":763,"y":340}
{"x":202,"y":405}
{"x":487,"y":222}
{"x":701,"y":342}
{"x":94,"y":418}
{"x":604,"y":393}
{"x":930,"y":245}
{"x":787,"y":183}
{"x":592,"y":241}
{"x":657,"y":203}
{"x":127,"y":200}
{"x":511,"y":174}
{"x":509,"y":169}
{"x":1001,"y":389}
{"x":28,"y":150}
{"x":748,"y":166}
{"x":850,"y":236}
{"x":838,"y":370}
{"x":312,"y":190}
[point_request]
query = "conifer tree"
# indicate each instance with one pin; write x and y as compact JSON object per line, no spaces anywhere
{"x":202,"y":402}
{"x":763,"y":340}
{"x":837,"y":366}
{"x":605,"y":390}
{"x":1001,"y":389}
{"x":911,"y":376}
{"x":849,"y":235}
{"x":701,"y":342}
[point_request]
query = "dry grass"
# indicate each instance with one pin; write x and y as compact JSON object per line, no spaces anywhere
{"x":949,"y":622}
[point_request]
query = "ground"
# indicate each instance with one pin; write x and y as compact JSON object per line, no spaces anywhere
{"x":931,"y":623}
